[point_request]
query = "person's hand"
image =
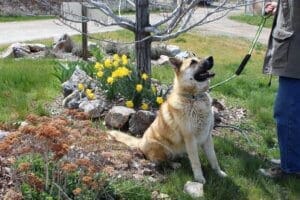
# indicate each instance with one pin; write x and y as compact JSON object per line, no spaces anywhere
{"x":271,"y":8}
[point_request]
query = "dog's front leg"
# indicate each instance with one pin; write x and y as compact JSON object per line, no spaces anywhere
{"x":192,"y":151}
{"x":210,"y":153}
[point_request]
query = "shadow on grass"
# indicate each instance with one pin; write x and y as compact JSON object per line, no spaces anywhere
{"x":243,"y":181}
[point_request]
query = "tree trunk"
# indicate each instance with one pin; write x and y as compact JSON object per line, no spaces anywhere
{"x":142,"y":45}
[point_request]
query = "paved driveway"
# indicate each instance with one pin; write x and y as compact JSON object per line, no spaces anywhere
{"x":31,"y":30}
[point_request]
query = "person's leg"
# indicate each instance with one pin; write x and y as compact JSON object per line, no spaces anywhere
{"x":287,"y":116}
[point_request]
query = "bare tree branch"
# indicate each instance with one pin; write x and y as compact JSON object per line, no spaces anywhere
{"x":169,"y":22}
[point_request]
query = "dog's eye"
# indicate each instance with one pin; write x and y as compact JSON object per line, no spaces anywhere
{"x":193,"y":62}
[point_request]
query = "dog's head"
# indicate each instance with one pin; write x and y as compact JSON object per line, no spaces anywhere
{"x":192,"y":74}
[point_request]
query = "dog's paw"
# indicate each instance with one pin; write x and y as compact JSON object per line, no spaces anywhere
{"x":200,"y":179}
{"x":221,"y":173}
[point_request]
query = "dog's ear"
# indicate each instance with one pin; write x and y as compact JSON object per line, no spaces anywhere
{"x":176,"y":63}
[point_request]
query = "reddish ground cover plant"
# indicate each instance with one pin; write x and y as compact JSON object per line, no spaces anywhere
{"x":63,"y":157}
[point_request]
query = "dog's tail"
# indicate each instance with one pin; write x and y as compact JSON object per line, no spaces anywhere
{"x":125,"y":138}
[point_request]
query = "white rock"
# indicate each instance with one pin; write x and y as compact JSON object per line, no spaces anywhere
{"x":93,"y":108}
{"x":173,"y":49}
{"x":156,"y":195}
{"x":3,"y":134}
{"x":151,"y":179}
{"x":118,"y":116}
{"x":24,"y":123}
{"x":194,"y":189}
{"x":22,"y":49}
{"x":182,"y":55}
{"x":163,"y":60}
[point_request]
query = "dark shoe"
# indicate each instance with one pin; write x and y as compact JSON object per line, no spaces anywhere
{"x":277,"y":172}
{"x":273,"y":172}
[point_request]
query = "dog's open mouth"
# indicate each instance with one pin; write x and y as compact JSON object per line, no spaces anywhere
{"x":203,"y":73}
{"x":203,"y":76}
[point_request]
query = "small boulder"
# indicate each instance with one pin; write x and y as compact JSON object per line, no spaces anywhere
{"x":34,"y":48}
{"x":78,"y":76}
{"x":19,"y":50}
{"x":173,"y":50}
{"x":156,"y":195}
{"x":73,"y":100}
{"x":163,"y":59}
{"x":182,"y":55}
{"x":140,"y":121}
{"x":118,"y":117}
{"x":116,"y":48}
{"x":93,"y":108}
{"x":163,"y":49}
{"x":64,"y":44}
{"x":194,"y":189}
{"x":3,"y":134}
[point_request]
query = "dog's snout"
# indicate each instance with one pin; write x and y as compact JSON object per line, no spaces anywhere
{"x":209,"y":62}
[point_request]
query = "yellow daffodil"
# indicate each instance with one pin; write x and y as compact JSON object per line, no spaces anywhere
{"x":116,"y":57}
{"x":124,"y":60}
{"x":88,"y":91}
{"x":129,"y":104}
{"x":139,"y":87}
{"x":80,"y":87}
{"x":145,"y":106}
{"x":144,"y":76}
{"x":110,"y":80}
{"x":98,"y":66}
{"x":159,"y":100}
{"x":91,"y":96}
{"x":124,"y":71}
{"x":107,"y":63}
{"x":116,"y":63}
{"x":115,"y":74}
{"x":124,"y":57}
{"x":120,"y":72}
{"x":100,"y":74}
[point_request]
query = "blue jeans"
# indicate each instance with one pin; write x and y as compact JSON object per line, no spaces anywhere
{"x":287,"y":116}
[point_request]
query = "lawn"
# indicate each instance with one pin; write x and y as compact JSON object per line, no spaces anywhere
{"x":23,"y":18}
{"x":29,"y":83}
{"x":252,"y":19}
{"x":26,"y":85}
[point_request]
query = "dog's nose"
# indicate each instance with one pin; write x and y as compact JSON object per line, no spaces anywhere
{"x":209,"y":62}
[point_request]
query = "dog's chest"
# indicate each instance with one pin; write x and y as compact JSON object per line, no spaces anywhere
{"x":198,"y":118}
{"x":199,"y":113}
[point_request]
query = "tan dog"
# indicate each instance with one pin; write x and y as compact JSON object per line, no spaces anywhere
{"x":184,"y":121}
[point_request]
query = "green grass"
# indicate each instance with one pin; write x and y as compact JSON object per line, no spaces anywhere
{"x":23,"y":18}
{"x":26,"y":85}
{"x":252,"y":20}
{"x":237,"y":157}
